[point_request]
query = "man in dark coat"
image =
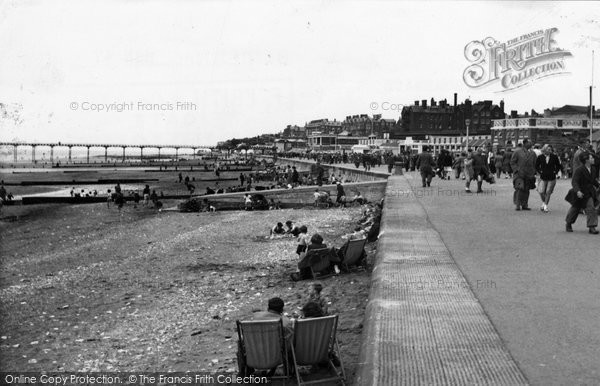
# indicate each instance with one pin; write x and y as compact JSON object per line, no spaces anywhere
{"x":522,"y":164}
{"x":584,"y":194}
{"x":480,"y":169}
{"x":425,"y":165}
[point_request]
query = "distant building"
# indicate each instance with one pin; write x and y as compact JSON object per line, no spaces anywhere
{"x":563,"y":127}
{"x":364,"y":125}
{"x":294,"y":132}
{"x":441,"y":118}
{"x":322,"y":126}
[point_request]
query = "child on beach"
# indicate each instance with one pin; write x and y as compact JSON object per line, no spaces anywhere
{"x":303,"y":241}
{"x":314,"y":295}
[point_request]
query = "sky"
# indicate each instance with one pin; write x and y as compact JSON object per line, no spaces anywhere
{"x":184,"y":72}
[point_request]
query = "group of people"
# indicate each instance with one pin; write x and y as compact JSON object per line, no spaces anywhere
{"x":315,"y":305}
{"x":118,"y":197}
{"x":367,"y":228}
{"x":584,"y":196}
{"x":472,"y":164}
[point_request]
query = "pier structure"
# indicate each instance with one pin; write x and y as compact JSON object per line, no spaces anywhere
{"x":88,"y":146}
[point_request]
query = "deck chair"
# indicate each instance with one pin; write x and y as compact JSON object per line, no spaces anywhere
{"x":315,"y":342}
{"x":353,"y":252}
{"x":261,"y":346}
{"x":319,"y":261}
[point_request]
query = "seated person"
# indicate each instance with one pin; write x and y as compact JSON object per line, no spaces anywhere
{"x":247,"y":201}
{"x":358,"y":234}
{"x":321,"y":196}
{"x":291,"y":229}
{"x":277,"y":230}
{"x":359,"y":198}
{"x":312,"y":310}
{"x":275,"y":311}
{"x":304,"y":265}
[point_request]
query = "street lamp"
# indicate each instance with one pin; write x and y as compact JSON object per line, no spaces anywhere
{"x":467,"y":123}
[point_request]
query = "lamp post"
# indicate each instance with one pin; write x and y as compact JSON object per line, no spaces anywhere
{"x":467,"y":123}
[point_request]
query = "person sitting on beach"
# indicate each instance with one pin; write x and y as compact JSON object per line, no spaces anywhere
{"x":291,"y":229}
{"x":312,"y":310}
{"x":321,"y":197}
{"x":247,"y":201}
{"x":274,"y":312}
{"x":359,"y":198}
{"x":358,"y":234}
{"x":277,"y":230}
{"x":316,"y":244}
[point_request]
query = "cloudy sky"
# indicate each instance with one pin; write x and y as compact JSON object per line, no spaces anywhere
{"x":241,"y":68}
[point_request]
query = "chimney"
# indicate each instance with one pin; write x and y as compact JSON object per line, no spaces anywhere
{"x":502,"y":105}
{"x":416,"y":103}
{"x":424,"y":102}
{"x":455,"y":99}
{"x":514,"y":114}
{"x":432,"y":102}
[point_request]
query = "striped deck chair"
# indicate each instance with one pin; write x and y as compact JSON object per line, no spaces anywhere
{"x":315,"y":343}
{"x":353,"y":252}
{"x":261,"y":346}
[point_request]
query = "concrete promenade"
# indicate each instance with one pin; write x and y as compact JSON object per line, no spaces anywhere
{"x":423,"y":323}
{"x":538,"y":285}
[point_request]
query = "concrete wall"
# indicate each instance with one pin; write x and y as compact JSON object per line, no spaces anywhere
{"x":354,"y":175}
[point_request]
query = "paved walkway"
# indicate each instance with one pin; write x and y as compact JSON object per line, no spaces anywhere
{"x":424,"y":324}
{"x":531,"y":288}
{"x":538,"y":284}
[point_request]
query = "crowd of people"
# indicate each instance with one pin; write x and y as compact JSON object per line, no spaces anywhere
{"x":539,"y":168}
{"x":530,"y":167}
{"x":367,"y":228}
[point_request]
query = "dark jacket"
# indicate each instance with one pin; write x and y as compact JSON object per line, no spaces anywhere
{"x":584,"y":182}
{"x":547,"y":170}
{"x":479,"y":165}
{"x":425,"y":163}
{"x":522,"y":163}
{"x":506,"y":161}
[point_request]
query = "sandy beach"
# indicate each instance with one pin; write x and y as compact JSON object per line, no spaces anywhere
{"x":86,"y":288}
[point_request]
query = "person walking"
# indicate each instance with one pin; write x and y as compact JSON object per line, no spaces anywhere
{"x":547,"y":165}
{"x":522,"y":164}
{"x":498,"y":162}
{"x":506,"y":163}
{"x":583,"y":195}
{"x":425,"y":165}
{"x":468,"y":171}
{"x":480,"y":169}
{"x":458,"y":165}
